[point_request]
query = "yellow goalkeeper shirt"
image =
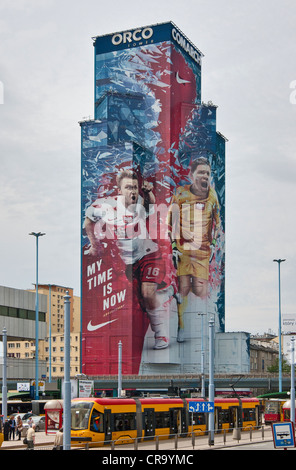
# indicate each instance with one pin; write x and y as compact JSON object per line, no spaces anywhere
{"x":192,"y":220}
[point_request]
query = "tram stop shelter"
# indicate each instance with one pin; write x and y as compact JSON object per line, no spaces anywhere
{"x":53,"y":416}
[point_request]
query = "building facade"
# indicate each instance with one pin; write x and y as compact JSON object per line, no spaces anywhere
{"x":153,"y":207}
{"x":17,"y":316}
{"x":264,"y":352}
{"x":51,"y":346}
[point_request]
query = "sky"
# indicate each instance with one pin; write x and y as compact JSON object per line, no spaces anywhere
{"x":46,"y":88}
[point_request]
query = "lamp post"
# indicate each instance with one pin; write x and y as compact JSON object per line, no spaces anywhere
{"x":36,"y":235}
{"x":49,"y":333}
{"x":119,"y":390}
{"x":292,"y":391}
{"x":211,"y":380}
{"x":202,"y":365}
{"x":279,"y":261}
{"x":67,"y":381}
{"x":4,"y":375}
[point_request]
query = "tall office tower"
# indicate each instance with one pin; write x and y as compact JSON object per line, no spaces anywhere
{"x":152,"y":208}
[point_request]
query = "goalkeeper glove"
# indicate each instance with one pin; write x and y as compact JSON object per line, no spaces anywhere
{"x":176,"y":254}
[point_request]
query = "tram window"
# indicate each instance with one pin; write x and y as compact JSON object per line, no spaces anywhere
{"x":224,"y":416}
{"x":272,"y":407}
{"x":124,"y":421}
{"x":198,"y":418}
{"x":96,"y":421}
{"x":162,"y":419}
{"x":80,"y":412}
{"x":249,"y":415}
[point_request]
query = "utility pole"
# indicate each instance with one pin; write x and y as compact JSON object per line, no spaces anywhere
{"x":37,"y":235}
{"x":279,"y":261}
{"x":211,"y":381}
{"x":4,"y":375}
{"x":67,"y":383}
{"x":292,"y":392}
{"x":119,"y":369}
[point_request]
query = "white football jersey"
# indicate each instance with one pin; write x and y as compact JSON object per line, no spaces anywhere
{"x":126,"y":225}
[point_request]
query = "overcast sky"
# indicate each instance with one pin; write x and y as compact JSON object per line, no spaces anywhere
{"x":46,"y":74}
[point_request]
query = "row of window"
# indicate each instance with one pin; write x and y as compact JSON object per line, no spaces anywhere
{"x":25,"y":356}
{"x":61,"y":338}
{"x":54,"y":350}
{"x":18,"y":345}
{"x":21,"y":313}
{"x":60,"y":359}
{"x":127,"y":421}
{"x":58,"y":370}
{"x":120,"y":422}
{"x":227,"y":416}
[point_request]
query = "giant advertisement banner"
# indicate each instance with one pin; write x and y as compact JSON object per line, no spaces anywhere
{"x":153,"y":197}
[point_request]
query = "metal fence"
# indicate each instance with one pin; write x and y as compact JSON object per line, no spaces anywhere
{"x":193,"y":441}
{"x":178,"y":442}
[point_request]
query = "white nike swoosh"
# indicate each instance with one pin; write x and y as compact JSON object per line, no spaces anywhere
{"x":181,"y":80}
{"x":91,"y":327}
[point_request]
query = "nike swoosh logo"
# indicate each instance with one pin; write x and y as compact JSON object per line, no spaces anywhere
{"x":91,"y":327}
{"x":181,"y":80}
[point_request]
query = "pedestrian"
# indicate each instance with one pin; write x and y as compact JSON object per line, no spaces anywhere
{"x":30,"y":421}
{"x":6,"y":430}
{"x":58,"y":441}
{"x":31,"y":437}
{"x":12,"y":423}
{"x":19,"y":427}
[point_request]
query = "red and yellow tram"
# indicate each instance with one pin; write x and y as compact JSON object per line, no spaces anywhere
{"x":101,"y":420}
{"x":273,"y":410}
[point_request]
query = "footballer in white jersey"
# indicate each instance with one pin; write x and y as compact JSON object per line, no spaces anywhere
{"x":123,"y":219}
{"x":127,"y":225}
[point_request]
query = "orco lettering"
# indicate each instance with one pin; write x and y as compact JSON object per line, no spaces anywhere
{"x":132,"y":36}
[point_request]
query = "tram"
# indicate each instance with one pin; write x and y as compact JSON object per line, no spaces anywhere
{"x":287,"y":411}
{"x":273,"y":410}
{"x":121,"y":420}
{"x":24,"y":406}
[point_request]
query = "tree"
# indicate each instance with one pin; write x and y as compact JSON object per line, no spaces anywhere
{"x":286,"y":367}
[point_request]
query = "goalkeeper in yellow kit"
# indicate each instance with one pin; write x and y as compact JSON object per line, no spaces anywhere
{"x":194,"y":222}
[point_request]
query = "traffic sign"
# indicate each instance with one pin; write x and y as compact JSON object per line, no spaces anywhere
{"x":201,"y":406}
{"x":283,"y":435}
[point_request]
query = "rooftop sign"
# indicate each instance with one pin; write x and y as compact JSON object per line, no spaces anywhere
{"x":147,"y":35}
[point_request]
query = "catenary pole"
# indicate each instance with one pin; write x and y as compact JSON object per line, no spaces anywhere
{"x":37,"y":235}
{"x":211,"y":381}
{"x":292,"y":392}
{"x":4,"y":375}
{"x":279,"y":261}
{"x":67,"y":383}
{"x":119,"y":369}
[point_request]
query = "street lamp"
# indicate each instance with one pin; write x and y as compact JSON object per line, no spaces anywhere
{"x":292,"y":391}
{"x":49,"y":333}
{"x":37,"y":235}
{"x":279,"y":261}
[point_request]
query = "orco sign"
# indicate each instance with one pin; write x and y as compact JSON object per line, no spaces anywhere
{"x":132,"y":36}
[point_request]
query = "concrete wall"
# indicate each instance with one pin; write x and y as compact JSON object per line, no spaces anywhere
{"x":18,"y":369}
{"x":18,"y":298}
{"x":19,"y":328}
{"x":232,"y":352}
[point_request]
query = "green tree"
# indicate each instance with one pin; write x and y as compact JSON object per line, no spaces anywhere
{"x":286,"y":367}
